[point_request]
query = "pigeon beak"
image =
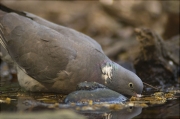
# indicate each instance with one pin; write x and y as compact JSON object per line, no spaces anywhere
{"x":137,"y":95}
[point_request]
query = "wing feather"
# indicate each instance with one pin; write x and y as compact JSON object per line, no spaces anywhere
{"x":41,"y":51}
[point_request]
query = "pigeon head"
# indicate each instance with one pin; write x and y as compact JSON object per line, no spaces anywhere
{"x":121,"y":80}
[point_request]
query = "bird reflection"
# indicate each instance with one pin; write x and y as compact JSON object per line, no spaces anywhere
{"x":30,"y":104}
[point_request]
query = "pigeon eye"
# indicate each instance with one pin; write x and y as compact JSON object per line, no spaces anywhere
{"x":130,"y":85}
{"x":130,"y":109}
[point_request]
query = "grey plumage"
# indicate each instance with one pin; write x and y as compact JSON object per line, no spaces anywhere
{"x":56,"y":57}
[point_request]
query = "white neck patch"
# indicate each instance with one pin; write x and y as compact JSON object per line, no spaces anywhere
{"x":107,"y":73}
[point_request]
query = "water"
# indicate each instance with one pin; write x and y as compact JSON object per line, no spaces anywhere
{"x":15,"y":100}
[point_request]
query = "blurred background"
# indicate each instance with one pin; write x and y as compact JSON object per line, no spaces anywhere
{"x":111,"y":23}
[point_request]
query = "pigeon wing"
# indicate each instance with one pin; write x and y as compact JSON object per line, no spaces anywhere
{"x":41,"y":51}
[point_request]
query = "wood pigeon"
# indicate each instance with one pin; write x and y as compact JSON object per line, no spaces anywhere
{"x":53,"y":58}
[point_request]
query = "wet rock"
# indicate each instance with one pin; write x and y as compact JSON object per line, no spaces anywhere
{"x":156,"y":62}
{"x":93,"y":93}
{"x":89,"y":86}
